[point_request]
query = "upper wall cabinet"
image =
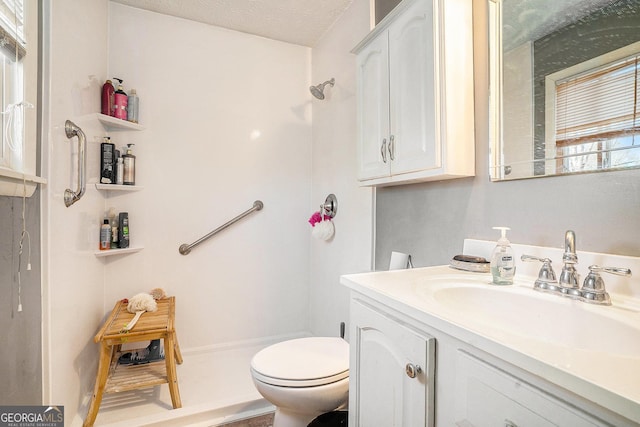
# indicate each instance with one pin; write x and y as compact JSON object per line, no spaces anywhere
{"x":415,"y":95}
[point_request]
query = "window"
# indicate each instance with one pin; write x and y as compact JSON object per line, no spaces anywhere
{"x":13,"y":101}
{"x":596,"y":113}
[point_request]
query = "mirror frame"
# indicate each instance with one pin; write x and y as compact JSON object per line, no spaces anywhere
{"x":495,"y":90}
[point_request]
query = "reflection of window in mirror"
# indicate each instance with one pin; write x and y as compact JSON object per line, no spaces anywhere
{"x":593,"y":113}
{"x":18,"y":84}
{"x":587,"y":43}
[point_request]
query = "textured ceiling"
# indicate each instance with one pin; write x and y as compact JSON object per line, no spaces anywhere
{"x":300,"y":22}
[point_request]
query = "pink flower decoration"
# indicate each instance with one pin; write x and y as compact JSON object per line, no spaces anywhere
{"x":315,"y":218}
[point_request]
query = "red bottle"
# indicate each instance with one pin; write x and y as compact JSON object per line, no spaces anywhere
{"x":107,"y":98}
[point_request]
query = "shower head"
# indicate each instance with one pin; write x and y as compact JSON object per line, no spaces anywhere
{"x":318,"y":90}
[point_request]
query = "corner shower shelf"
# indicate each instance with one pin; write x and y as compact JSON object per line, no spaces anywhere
{"x":111,"y":252}
{"x":111,"y":123}
{"x":117,"y":187}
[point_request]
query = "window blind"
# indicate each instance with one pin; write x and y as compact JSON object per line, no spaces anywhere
{"x":600,"y":103}
{"x":12,"y":37}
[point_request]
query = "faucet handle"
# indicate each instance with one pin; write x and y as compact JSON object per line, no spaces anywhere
{"x":593,"y":289}
{"x":546,"y":281}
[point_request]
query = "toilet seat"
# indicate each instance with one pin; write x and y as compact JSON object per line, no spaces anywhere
{"x":303,"y":362}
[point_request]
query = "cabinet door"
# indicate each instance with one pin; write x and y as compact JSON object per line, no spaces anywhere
{"x":487,"y":396}
{"x":384,"y":390}
{"x":415,"y":143}
{"x":373,"y":109}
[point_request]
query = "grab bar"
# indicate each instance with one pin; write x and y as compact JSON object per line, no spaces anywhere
{"x":70,"y":197}
{"x":186,"y":249}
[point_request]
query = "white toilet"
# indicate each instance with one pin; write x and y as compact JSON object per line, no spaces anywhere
{"x":303,"y":378}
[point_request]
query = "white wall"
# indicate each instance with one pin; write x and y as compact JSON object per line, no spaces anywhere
{"x":73,"y":279}
{"x":334,"y":171}
{"x":227,"y":119}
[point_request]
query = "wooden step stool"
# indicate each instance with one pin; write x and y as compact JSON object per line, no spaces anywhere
{"x":113,"y":377}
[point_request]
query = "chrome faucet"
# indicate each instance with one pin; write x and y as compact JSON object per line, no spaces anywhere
{"x":593,"y":290}
{"x":569,"y":277}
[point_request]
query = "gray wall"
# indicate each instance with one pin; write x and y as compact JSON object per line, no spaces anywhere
{"x":431,"y":220}
{"x":20,"y":332}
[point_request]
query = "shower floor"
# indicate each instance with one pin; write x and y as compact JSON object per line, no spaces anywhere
{"x":215,"y":388}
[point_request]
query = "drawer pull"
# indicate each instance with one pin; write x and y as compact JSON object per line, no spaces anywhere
{"x":509,"y":423}
{"x":412,"y":370}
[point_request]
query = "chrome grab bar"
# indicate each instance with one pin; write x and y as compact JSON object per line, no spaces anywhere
{"x":71,"y":129}
{"x":186,"y":249}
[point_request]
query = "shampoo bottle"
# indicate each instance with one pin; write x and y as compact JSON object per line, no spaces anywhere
{"x":503,"y":265}
{"x":107,"y":162}
{"x":114,"y":228}
{"x":129,"y":168}
{"x":120,"y":171}
{"x":132,"y":107}
{"x":123,"y":230}
{"x":107,"y":98}
{"x":120,"y":101}
{"x":105,"y":235}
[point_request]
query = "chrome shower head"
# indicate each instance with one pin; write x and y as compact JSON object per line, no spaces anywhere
{"x":318,"y":90}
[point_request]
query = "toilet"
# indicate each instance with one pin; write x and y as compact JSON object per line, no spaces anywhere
{"x":303,"y":378}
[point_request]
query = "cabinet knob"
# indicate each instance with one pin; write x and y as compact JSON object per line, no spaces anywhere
{"x":392,"y":147}
{"x":509,"y":423}
{"x":412,"y":370}
{"x":383,"y":150}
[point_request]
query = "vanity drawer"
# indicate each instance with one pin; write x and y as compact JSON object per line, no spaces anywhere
{"x":488,"y":397}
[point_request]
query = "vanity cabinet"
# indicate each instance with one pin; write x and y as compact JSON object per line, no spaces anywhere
{"x":457,"y":384}
{"x":392,"y":371}
{"x":415,"y":95}
{"x":488,"y":396}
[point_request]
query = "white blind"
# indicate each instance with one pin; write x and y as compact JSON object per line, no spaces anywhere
{"x":600,"y":103}
{"x":12,"y":37}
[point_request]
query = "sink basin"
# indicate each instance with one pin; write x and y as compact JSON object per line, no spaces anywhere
{"x":522,"y":312}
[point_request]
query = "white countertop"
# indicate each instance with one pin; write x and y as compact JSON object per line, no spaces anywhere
{"x":541,"y":333}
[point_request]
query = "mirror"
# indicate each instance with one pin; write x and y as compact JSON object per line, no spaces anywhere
{"x":565,"y":87}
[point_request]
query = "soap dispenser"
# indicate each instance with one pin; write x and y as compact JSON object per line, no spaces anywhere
{"x":503,"y":266}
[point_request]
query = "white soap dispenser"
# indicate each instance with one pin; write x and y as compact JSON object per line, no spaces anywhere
{"x":503,"y":263}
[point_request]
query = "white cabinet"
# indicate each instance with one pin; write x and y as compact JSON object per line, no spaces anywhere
{"x":488,"y":396}
{"x":392,"y":371}
{"x":415,"y":95}
{"x":455,"y":383}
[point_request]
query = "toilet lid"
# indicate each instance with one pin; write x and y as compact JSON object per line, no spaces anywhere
{"x":302,"y":362}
